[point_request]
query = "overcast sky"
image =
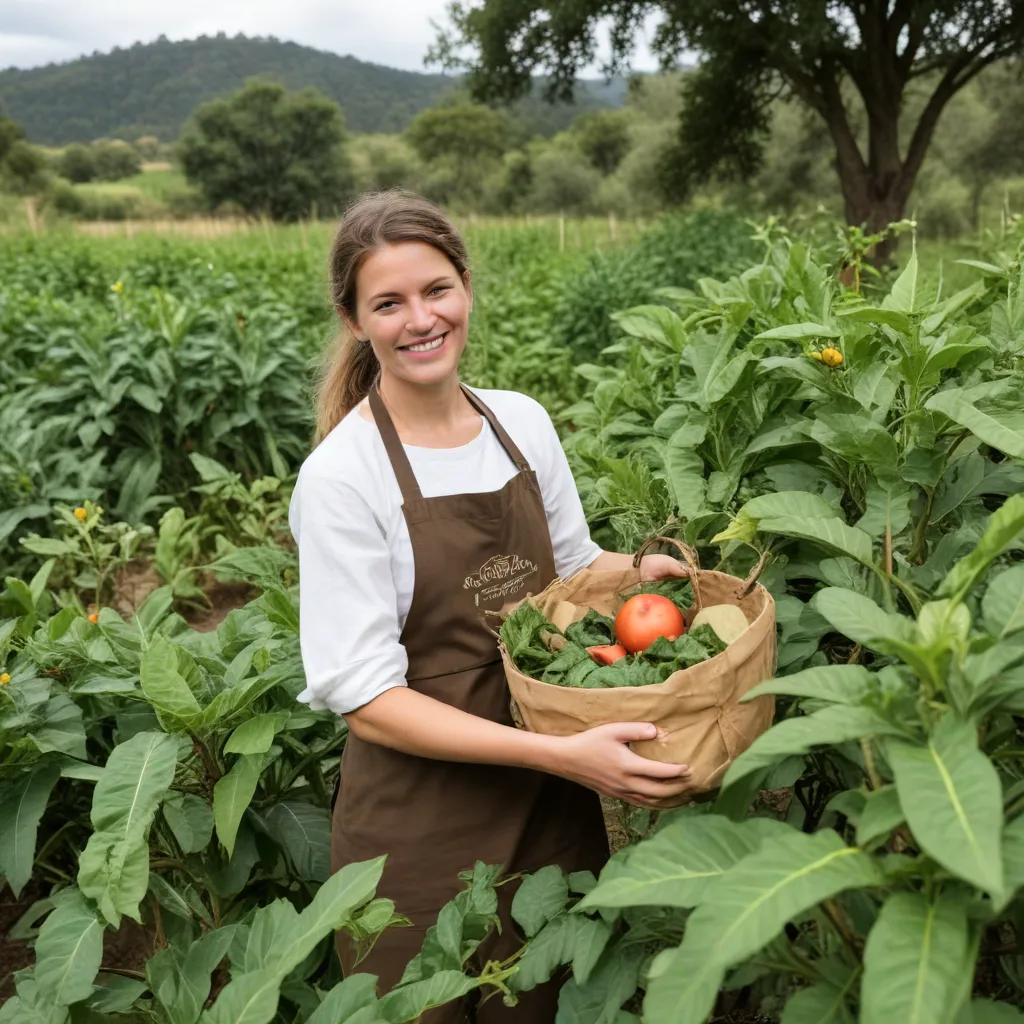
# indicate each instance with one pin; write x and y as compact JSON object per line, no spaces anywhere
{"x":392,"y":32}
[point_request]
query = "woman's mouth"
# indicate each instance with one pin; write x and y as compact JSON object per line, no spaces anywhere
{"x":420,"y":347}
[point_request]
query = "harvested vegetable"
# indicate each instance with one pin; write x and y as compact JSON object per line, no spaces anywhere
{"x":586,"y":653}
{"x":726,"y":620}
{"x":646,"y":617}
{"x":607,"y":655}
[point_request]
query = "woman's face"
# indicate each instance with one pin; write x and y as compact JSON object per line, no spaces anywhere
{"x":413,"y":306}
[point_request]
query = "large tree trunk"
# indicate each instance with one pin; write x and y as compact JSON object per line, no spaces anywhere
{"x":875,"y":192}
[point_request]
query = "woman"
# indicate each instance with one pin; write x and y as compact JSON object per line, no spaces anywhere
{"x":419,"y":509}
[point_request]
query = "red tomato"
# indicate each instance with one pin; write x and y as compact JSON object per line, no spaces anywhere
{"x":645,"y":617}
{"x":607,"y":655}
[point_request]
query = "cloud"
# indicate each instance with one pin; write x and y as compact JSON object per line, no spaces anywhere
{"x":396,"y":33}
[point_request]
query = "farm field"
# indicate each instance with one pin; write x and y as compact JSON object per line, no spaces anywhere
{"x":164,"y":807}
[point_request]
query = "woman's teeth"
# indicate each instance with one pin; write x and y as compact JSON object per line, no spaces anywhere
{"x":425,"y":346}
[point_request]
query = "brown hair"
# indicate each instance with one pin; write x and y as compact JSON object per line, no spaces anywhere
{"x":373,"y":221}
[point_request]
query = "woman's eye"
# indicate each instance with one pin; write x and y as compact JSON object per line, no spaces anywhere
{"x":438,"y":288}
{"x":384,"y":305}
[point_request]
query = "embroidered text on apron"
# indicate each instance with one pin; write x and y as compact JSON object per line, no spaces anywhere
{"x":436,"y":818}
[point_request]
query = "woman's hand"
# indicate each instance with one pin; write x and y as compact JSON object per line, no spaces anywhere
{"x":600,"y":759}
{"x":661,"y":567}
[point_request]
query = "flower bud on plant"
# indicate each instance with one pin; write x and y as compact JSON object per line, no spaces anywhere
{"x":94,"y":617}
{"x":815,"y":355}
{"x":4,"y":678}
{"x":80,"y":514}
{"x":831,"y":357}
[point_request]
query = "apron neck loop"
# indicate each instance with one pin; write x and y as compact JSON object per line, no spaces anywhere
{"x":396,"y":451}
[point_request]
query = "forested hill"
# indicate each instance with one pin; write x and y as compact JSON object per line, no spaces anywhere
{"x":152,"y":88}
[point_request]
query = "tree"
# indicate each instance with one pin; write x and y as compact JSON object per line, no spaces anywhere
{"x":22,"y":166}
{"x":603,"y":137}
{"x":115,"y":159}
{"x":749,"y":54}
{"x":468,"y":131}
{"x":273,"y":153}
{"x":77,"y":163}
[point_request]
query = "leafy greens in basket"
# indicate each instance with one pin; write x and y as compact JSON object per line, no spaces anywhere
{"x":533,"y":644}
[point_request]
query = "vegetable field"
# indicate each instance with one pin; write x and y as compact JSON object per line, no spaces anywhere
{"x":164,"y":807}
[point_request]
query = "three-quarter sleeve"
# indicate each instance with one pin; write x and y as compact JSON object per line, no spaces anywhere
{"x":567,"y":523}
{"x":349,"y":623}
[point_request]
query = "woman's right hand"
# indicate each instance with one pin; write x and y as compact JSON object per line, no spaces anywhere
{"x":600,"y":759}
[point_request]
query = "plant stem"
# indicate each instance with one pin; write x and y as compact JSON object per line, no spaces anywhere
{"x":837,"y":918}
{"x":869,"y":763}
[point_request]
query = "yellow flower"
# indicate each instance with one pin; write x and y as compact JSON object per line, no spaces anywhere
{"x":94,"y":617}
{"x":4,"y":678}
{"x":80,"y":514}
{"x":831,"y":357}
{"x":117,"y":287}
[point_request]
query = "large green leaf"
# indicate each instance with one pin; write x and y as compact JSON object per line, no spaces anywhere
{"x":675,"y":865}
{"x":684,"y":471}
{"x":985,"y":1011}
{"x":62,"y":731}
{"x":951,"y":797}
{"x":1001,"y":426}
{"x":745,"y":909}
{"x":904,"y":295}
{"x":190,"y":818}
{"x":252,"y":997}
{"x":915,"y":954}
{"x":114,"y":867}
{"x":860,"y":619}
{"x":837,"y":723}
{"x":1004,"y":526}
{"x":410,"y":1002}
{"x":257,"y":734}
{"x":356,"y":992}
{"x":1003,"y":603}
{"x":600,"y":1000}
{"x":839,"y":684}
{"x":68,"y":951}
{"x":304,"y":831}
{"x":21,"y":808}
{"x":819,"y":1004}
{"x":682,"y":987}
{"x":788,"y":503}
{"x":233,"y":793}
{"x":165,"y":687}
{"x":1013,"y":856}
{"x":830,"y":533}
{"x":797,"y":332}
{"x":541,"y":896}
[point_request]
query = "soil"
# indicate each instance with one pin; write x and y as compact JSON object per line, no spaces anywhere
{"x":139,"y":579}
{"x":127,"y":949}
{"x":13,"y":955}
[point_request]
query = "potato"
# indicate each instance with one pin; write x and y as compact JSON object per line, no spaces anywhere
{"x":726,"y":620}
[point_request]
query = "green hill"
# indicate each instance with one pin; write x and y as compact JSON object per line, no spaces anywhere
{"x":152,"y":88}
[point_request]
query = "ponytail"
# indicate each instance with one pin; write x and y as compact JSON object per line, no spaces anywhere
{"x":348,"y":373}
{"x":372,"y":222}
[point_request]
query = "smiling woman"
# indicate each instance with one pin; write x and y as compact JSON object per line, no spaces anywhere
{"x":425,"y":505}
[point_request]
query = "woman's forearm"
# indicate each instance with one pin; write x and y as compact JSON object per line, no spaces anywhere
{"x":611,"y":560}
{"x":413,"y":723}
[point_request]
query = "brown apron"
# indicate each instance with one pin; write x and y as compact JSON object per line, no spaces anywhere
{"x":433,"y":818}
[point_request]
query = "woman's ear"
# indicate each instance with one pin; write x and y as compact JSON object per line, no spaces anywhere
{"x":352,"y":325}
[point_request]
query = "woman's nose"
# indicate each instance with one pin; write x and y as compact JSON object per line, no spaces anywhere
{"x":421,"y":318}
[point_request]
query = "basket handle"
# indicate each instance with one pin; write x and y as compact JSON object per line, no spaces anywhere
{"x":748,"y":583}
{"x":689,"y":556}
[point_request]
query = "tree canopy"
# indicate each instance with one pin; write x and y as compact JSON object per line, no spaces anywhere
{"x":271,"y":152}
{"x":847,"y":60}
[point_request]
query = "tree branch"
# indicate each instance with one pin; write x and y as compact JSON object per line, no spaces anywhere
{"x":957,"y":75}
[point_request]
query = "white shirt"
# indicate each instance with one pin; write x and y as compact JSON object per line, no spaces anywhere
{"x":355,"y":557}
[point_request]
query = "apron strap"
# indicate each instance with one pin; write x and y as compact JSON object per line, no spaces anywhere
{"x":393,"y":446}
{"x":396,"y":450}
{"x":511,"y":448}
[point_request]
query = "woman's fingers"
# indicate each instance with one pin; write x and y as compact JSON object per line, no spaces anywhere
{"x":648,"y":769}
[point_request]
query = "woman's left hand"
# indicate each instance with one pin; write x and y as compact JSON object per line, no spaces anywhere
{"x":661,"y":567}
